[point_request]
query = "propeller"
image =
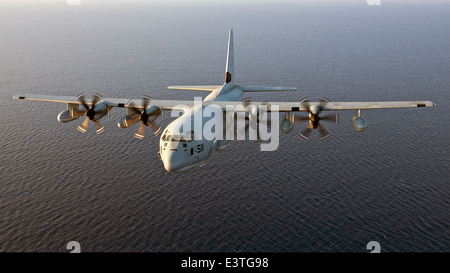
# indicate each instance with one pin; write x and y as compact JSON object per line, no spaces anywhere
{"x":314,"y":118}
{"x":143,"y":116}
{"x":90,"y":114}
{"x":237,"y":131}
{"x":264,"y":118}
{"x":254,"y":118}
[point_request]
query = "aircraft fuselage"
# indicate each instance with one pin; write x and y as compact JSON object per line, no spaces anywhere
{"x":181,"y":152}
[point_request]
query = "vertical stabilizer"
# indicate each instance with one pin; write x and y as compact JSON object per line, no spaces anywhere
{"x":229,"y":71}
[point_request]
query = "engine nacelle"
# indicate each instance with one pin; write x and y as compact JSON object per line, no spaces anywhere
{"x":70,"y":114}
{"x":359,"y":123}
{"x":288,"y":123}
{"x":65,"y":116}
{"x":128,"y":120}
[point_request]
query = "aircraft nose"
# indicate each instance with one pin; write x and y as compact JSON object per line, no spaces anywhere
{"x":172,"y":161}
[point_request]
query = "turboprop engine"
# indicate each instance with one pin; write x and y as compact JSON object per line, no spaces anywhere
{"x":255,"y":113}
{"x":94,"y":111}
{"x":314,"y":118}
{"x":152,"y":113}
{"x":147,"y":116}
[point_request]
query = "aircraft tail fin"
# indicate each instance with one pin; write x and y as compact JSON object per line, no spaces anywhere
{"x":229,"y":70}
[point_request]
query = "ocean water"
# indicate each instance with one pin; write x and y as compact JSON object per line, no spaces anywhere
{"x":111,"y":193}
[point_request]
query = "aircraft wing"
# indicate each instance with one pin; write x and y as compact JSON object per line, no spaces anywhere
{"x":329,"y":106}
{"x":376,"y":105}
{"x":236,"y":105}
{"x":111,"y":102}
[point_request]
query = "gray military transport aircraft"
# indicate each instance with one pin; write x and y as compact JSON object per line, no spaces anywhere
{"x":182,"y":149}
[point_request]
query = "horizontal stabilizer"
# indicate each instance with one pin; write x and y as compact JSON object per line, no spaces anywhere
{"x":196,"y":87}
{"x":265,"y":88}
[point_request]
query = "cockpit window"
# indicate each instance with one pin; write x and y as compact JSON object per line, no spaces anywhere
{"x":175,"y":138}
{"x":164,"y":135}
{"x":189,"y":137}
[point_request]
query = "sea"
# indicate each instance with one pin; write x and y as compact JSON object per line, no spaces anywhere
{"x":110,"y":192}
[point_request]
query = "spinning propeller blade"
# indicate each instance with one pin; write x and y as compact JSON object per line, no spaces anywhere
{"x":143,"y":116}
{"x":90,"y":113}
{"x":314,"y":118}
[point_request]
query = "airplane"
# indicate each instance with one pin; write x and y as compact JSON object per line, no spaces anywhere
{"x":181,"y":152}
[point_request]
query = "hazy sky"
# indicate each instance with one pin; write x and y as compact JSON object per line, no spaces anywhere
{"x":192,"y":1}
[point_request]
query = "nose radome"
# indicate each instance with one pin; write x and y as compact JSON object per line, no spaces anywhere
{"x":170,"y":167}
{"x":172,"y":161}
